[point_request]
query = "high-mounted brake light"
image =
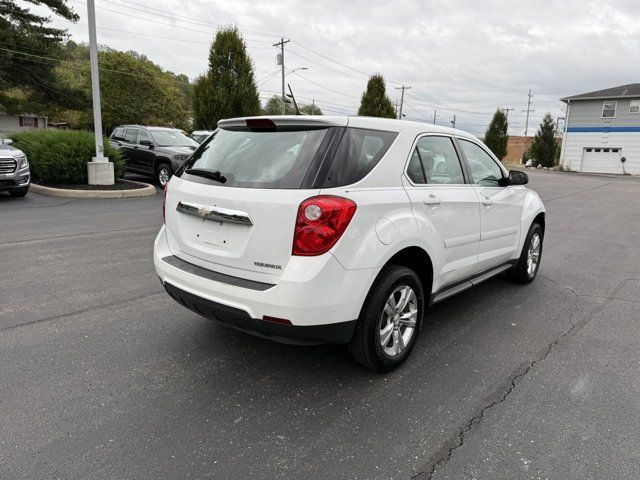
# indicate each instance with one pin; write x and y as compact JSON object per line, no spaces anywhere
{"x":260,"y":123}
{"x":164,"y":201}
{"x":320,"y":223}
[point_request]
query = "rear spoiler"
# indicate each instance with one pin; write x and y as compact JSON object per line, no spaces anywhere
{"x":285,"y":121}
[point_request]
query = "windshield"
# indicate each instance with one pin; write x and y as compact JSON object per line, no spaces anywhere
{"x":172,"y":138}
{"x":259,"y":159}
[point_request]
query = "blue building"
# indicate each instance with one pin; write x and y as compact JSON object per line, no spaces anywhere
{"x":602,"y":131}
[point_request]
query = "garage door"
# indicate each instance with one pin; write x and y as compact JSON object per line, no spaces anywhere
{"x":601,"y":160}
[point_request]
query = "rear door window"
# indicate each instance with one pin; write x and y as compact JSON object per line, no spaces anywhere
{"x":259,"y":158}
{"x":130,"y":135}
{"x":358,"y":152}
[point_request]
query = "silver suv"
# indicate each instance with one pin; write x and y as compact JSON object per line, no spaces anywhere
{"x":14,"y":170}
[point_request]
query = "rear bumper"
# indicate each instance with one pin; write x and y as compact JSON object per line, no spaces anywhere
{"x":240,"y":320}
{"x":317,"y":295}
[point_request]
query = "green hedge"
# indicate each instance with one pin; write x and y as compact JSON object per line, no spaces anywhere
{"x":61,"y":156}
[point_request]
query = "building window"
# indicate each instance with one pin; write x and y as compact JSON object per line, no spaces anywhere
{"x":634,"y":106}
{"x":609,"y":109}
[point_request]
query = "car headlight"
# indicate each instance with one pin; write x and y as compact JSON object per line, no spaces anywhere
{"x":22,"y":161}
{"x":181,"y":157}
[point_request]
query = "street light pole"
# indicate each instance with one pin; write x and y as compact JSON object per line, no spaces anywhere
{"x":99,"y":170}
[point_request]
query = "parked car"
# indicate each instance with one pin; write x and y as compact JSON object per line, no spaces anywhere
{"x":201,"y":135}
{"x":15,"y":176}
{"x":153,"y":151}
{"x":333,"y":229}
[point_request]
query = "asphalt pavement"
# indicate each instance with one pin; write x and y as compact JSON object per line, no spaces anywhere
{"x":103,"y":376}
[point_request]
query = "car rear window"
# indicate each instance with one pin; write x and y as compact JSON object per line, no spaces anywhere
{"x":259,"y":158}
{"x":358,"y":152}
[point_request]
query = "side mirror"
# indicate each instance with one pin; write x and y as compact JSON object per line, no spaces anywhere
{"x":7,"y":141}
{"x":148,"y":143}
{"x":517,"y":177}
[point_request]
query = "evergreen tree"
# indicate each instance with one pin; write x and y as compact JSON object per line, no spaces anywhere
{"x":496,"y":135}
{"x":27,"y":83}
{"x":375,"y":102}
{"x":544,"y":144}
{"x":228,"y":89}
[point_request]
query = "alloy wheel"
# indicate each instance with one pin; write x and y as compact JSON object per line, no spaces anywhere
{"x":398,"y":320}
{"x":533,"y":254}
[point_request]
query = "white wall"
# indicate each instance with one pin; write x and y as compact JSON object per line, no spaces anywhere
{"x":575,"y":142}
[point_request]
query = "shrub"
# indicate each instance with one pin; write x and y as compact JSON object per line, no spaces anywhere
{"x":61,"y":156}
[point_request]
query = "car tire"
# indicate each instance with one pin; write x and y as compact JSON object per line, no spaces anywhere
{"x":19,"y":192}
{"x":526,"y":269}
{"x":373,"y":344}
{"x":163,"y":173}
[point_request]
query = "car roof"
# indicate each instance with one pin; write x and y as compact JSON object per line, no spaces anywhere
{"x":374,"y":123}
{"x":148,"y":127}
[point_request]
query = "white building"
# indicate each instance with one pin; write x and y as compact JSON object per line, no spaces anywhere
{"x":16,"y":123}
{"x":602,"y":131}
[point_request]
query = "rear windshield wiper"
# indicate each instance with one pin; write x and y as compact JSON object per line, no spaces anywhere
{"x":210,"y":174}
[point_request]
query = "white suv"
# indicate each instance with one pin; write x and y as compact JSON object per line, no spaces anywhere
{"x":312,"y":229}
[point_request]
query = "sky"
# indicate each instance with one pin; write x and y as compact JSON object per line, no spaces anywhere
{"x":464,"y":58}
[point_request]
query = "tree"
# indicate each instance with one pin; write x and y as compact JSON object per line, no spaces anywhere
{"x":27,"y":82}
{"x":311,"y":109}
{"x":496,"y":136}
{"x":133,"y":89}
{"x":375,"y":102}
{"x":228,"y":89}
{"x":544,"y":144}
{"x":274,"y":106}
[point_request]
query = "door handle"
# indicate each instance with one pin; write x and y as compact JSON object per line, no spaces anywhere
{"x":487,"y":202}
{"x":432,"y":200}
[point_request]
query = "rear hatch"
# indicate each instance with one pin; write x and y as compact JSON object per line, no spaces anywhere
{"x":232,"y":207}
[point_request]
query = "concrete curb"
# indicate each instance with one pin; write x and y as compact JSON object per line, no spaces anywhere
{"x":146,"y":190}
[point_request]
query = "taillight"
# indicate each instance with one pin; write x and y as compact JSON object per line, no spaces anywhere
{"x":164,"y":201}
{"x":320,"y":223}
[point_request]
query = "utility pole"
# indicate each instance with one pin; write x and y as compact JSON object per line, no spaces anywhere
{"x":403,"y":88}
{"x":526,"y":125}
{"x":558,"y":124}
{"x":506,"y":112}
{"x":453,"y":122}
{"x":99,"y":169}
{"x":313,"y":106}
{"x":434,"y":116}
{"x":396,"y":110}
{"x":281,"y":44}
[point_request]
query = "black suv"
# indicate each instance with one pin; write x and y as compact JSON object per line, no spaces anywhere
{"x":156,"y":151}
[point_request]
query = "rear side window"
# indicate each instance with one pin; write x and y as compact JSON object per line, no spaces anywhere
{"x":117,"y":133}
{"x":358,"y":152}
{"x":131,"y":135}
{"x":259,"y":158}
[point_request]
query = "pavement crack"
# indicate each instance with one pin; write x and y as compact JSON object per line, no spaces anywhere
{"x":444,"y":454}
{"x":80,"y":311}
